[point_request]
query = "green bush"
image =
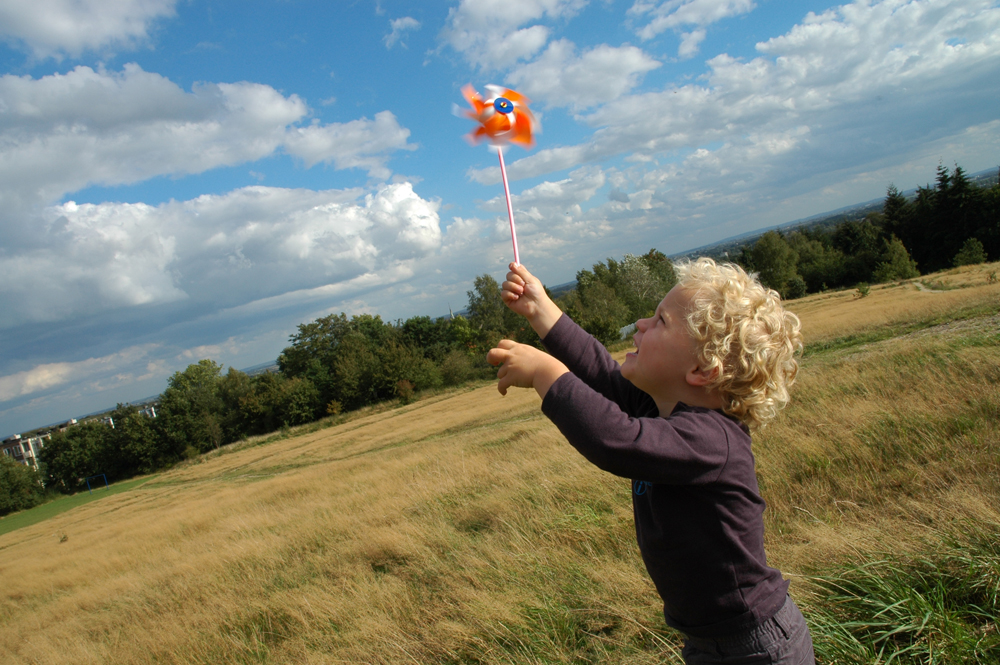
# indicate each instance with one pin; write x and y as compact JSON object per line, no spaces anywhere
{"x":972,"y":253}
{"x":20,"y":486}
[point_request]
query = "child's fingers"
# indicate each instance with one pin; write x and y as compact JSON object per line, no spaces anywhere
{"x":510,"y":295}
{"x":496,"y":356}
{"x":500,"y":354}
{"x":522,"y":274}
{"x":504,"y":382}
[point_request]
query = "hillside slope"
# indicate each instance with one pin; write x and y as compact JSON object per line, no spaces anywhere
{"x":463,"y":529}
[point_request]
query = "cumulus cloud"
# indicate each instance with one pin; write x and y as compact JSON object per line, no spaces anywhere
{"x":400,"y":26}
{"x":227,"y":250}
{"x":66,"y":131}
{"x":69,"y":27}
{"x":562,"y":77}
{"x":862,"y":79}
{"x":489,"y":33}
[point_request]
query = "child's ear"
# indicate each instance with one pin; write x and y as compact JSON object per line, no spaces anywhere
{"x":700,"y":378}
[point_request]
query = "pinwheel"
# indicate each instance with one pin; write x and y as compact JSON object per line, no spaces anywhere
{"x":503,"y":117}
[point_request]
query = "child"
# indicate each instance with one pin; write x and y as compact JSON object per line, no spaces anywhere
{"x":715,"y":360}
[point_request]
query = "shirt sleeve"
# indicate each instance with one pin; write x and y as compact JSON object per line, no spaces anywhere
{"x":690,"y":447}
{"x":588,"y":360}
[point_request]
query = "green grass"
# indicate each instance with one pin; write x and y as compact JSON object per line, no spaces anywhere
{"x":939,"y":607}
{"x":65,"y":503}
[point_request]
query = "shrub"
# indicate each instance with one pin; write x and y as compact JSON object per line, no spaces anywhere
{"x":457,"y":368}
{"x":405,"y":391}
{"x":972,"y":253}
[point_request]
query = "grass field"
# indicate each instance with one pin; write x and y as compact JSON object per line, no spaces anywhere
{"x":463,"y":529}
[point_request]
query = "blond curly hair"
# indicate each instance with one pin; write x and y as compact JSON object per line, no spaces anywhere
{"x":743,"y":331}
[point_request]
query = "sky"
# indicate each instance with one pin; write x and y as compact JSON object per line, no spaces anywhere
{"x":187,"y":179}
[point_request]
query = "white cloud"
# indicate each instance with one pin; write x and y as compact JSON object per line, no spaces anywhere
{"x":66,"y":131}
{"x":690,"y":41}
{"x":356,"y":144}
{"x":489,"y":35}
{"x":860,"y":82}
{"x":227,"y":250}
{"x":676,"y":13}
{"x":400,"y":26}
{"x":52,"y":375}
{"x":561,"y":77}
{"x":57,"y":27}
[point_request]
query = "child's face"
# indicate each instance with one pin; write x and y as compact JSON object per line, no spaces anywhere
{"x":665,"y":351}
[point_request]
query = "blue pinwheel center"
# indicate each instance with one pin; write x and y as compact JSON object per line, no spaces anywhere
{"x":503,"y":105}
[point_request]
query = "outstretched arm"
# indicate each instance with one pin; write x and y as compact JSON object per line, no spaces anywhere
{"x":524,"y":366}
{"x":524,"y":294}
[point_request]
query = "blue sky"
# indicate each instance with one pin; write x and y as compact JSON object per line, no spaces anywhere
{"x":182,"y":180}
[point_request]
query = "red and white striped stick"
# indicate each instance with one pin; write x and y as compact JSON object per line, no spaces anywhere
{"x":510,"y":209}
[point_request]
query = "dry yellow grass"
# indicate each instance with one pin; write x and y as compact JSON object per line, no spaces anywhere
{"x":463,"y":529}
{"x":842,"y":313}
{"x":423,"y":534}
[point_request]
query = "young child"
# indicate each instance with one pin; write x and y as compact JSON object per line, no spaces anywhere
{"x":713,"y":362}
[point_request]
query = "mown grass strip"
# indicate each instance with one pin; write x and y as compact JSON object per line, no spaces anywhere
{"x":883,"y":333}
{"x":65,"y":503}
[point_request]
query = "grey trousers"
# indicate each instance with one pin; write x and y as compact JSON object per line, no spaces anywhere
{"x":781,"y":640}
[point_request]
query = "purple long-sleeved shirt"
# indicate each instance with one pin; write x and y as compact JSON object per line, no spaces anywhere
{"x":698,"y":512}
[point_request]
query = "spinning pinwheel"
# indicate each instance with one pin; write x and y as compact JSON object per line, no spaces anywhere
{"x":504,"y":117}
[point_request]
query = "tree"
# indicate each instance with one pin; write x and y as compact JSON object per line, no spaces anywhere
{"x":617,"y":293}
{"x":896,"y":211}
{"x":862,"y":245}
{"x":820,"y":264}
{"x":234,"y":389}
{"x":78,"y":453}
{"x":133,"y":446}
{"x":191,"y":408}
{"x":896,"y":263}
{"x":775,"y":262}
{"x":20,"y":486}
{"x":600,"y":311}
{"x":972,"y":253}
{"x":433,"y":338}
{"x":948,"y":214}
{"x":487,"y":313}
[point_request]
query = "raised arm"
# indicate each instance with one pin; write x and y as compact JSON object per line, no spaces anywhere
{"x":524,"y":294}
{"x":576,"y":349}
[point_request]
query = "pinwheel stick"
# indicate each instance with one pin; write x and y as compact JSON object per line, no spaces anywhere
{"x":510,"y":209}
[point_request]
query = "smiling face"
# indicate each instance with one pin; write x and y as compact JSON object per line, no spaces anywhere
{"x":666,"y":355}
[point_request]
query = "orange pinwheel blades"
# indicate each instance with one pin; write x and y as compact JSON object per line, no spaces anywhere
{"x":503,"y":117}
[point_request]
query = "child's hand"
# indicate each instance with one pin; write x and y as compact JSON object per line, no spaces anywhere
{"x":524,"y":366}
{"x":524,"y":294}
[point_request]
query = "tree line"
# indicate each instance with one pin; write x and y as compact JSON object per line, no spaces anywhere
{"x":338,"y":363}
{"x":951,"y":223}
